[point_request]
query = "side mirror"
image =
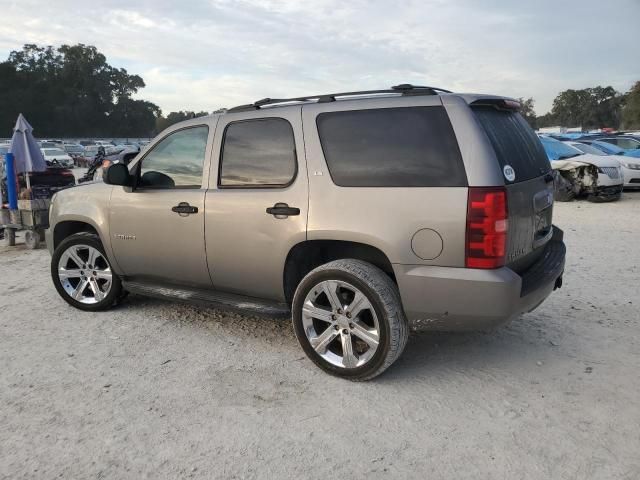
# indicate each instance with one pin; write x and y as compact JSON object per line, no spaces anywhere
{"x":118,"y":174}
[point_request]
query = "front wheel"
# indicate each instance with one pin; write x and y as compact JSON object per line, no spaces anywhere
{"x":348,"y":318}
{"x":82,"y":274}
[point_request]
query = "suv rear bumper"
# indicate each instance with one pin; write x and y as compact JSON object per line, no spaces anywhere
{"x":445,"y":298}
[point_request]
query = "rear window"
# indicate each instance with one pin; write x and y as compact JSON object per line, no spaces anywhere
{"x":514,"y":142}
{"x":391,"y":147}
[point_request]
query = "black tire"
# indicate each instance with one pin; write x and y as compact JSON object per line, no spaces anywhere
{"x":383,"y":295}
{"x":116,"y":293}
{"x":603,"y":198}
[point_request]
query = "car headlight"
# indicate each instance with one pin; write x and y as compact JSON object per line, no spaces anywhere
{"x":633,"y":166}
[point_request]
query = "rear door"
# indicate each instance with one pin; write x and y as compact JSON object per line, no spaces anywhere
{"x":256,"y":208}
{"x":529,"y":183}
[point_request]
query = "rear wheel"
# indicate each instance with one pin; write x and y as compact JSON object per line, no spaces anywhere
{"x":348,"y":318}
{"x":82,"y":274}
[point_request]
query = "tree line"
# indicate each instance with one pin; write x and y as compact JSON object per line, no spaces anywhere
{"x":73,"y":91}
{"x":589,"y":108}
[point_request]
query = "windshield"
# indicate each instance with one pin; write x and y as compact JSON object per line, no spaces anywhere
{"x":609,"y":148}
{"x":53,"y":151}
{"x":556,"y":150}
{"x":588,"y":149}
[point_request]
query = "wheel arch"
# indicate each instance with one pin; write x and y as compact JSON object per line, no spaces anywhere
{"x":305,"y":256}
{"x":66,"y":228}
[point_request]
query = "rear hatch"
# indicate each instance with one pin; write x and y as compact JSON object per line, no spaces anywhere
{"x":528,"y":180}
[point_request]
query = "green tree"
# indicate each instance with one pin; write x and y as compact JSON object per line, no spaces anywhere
{"x":527,"y":111}
{"x":595,"y":107}
{"x":72,"y":91}
{"x":175,"y":117}
{"x":631,"y":110}
{"x":546,"y":120}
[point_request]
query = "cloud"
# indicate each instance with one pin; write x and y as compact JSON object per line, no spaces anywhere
{"x":207,"y":54}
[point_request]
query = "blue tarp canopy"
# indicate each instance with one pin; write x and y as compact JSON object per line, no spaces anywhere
{"x":27,"y":154}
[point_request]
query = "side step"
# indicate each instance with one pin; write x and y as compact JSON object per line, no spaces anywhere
{"x":212,"y":298}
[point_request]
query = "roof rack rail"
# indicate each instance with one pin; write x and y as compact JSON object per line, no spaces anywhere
{"x":403,"y":89}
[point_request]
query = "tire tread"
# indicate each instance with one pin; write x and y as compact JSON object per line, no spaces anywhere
{"x":389,"y":296}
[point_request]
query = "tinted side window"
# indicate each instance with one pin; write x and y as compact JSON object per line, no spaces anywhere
{"x":391,"y":147}
{"x":176,"y":161}
{"x":626,"y":143}
{"x":258,"y":153}
{"x":514,"y":142}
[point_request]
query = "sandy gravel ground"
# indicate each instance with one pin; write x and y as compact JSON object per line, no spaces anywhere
{"x":160,"y":390}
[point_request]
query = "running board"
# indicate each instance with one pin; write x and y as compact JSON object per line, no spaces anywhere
{"x":212,"y":298}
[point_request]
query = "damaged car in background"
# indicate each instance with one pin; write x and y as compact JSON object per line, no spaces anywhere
{"x":578,"y":174}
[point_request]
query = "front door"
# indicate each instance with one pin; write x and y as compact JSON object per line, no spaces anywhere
{"x":157,"y":228}
{"x":256,"y":207}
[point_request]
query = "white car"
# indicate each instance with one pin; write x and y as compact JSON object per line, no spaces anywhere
{"x":599,"y":178}
{"x":630,"y":164}
{"x":630,"y":171}
{"x":59,"y":155}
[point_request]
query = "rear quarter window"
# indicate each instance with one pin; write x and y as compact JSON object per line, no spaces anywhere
{"x":391,"y":147}
{"x":514,"y":142}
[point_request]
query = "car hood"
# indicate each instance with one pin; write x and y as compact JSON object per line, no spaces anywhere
{"x":597,"y":160}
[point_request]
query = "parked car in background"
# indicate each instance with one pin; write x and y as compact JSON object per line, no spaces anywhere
{"x":586,"y":148}
{"x":629,"y":159}
{"x":610,"y":148}
{"x":75,"y":151}
{"x":631,"y":171}
{"x":626,"y":142}
{"x":90,"y":152}
{"x":57,"y":156}
{"x":578,"y":174}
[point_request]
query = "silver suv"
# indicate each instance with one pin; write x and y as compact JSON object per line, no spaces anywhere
{"x":357,"y":214}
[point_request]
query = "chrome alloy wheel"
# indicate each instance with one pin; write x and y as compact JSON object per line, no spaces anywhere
{"x":340,"y":324}
{"x":85,"y":274}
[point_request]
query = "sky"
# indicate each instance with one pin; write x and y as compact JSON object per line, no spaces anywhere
{"x":206,"y":54}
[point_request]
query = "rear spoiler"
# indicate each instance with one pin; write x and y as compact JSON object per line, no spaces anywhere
{"x":497,"y":103}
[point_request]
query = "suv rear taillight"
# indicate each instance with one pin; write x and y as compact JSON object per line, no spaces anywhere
{"x":487,"y":226}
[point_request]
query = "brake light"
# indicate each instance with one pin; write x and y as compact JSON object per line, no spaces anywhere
{"x":487,"y":226}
